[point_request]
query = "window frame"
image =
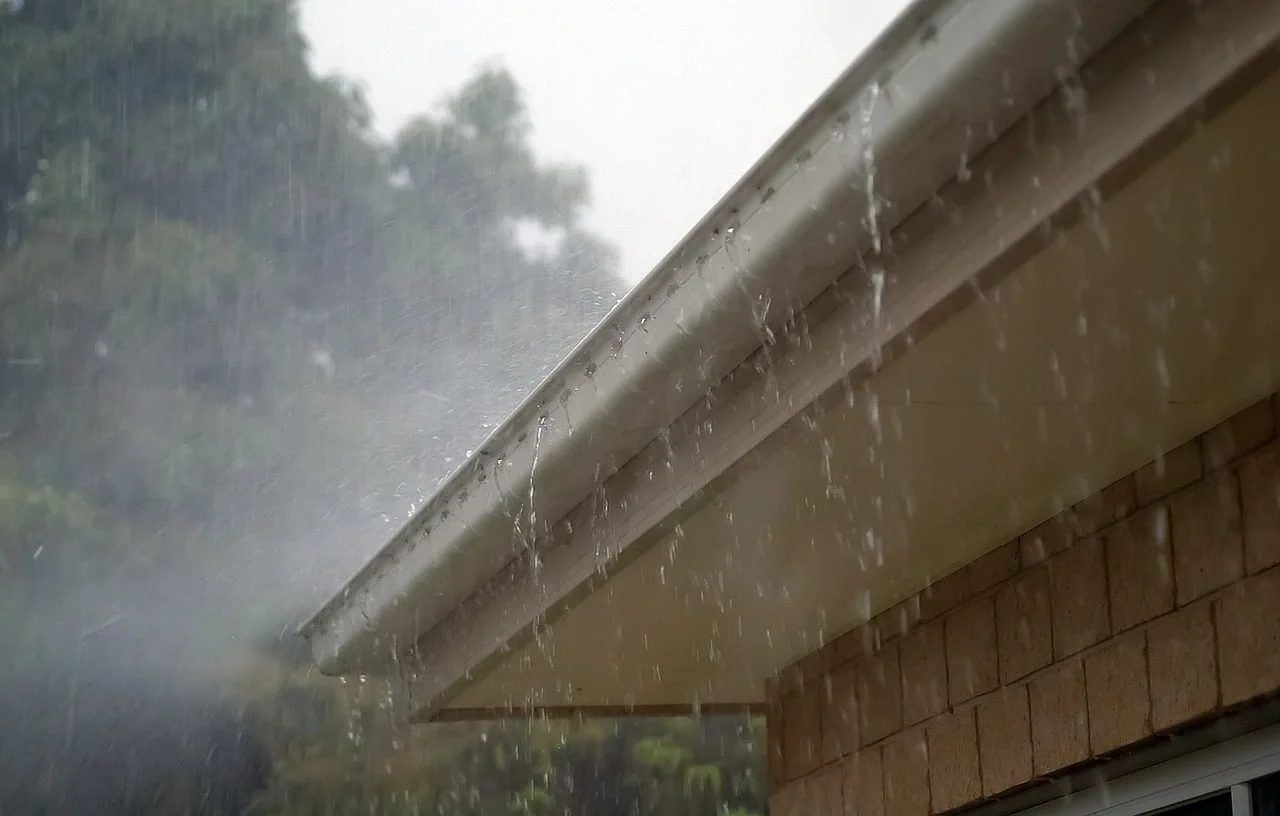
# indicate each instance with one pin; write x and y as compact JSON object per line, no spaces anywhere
{"x":1231,"y":765}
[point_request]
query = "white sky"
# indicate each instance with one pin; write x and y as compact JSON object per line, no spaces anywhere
{"x":666,"y":102}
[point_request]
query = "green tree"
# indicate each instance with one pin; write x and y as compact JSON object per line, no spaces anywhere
{"x":230,"y":315}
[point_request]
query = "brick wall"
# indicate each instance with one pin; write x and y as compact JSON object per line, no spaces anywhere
{"x":1149,"y":607}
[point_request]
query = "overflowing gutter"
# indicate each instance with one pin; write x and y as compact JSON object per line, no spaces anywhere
{"x":940,"y":85}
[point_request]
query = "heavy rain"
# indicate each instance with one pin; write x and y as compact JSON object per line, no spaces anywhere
{"x":419,"y":409}
{"x":258,"y":297}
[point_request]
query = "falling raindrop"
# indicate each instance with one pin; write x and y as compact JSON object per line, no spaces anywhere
{"x":866,"y":117}
{"x":877,"y":293}
{"x":873,"y":416}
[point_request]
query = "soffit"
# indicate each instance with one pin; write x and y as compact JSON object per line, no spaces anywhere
{"x":1136,"y":329}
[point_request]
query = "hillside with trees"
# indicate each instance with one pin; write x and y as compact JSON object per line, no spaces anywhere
{"x":241,"y":335}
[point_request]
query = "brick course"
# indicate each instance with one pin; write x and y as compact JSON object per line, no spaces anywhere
{"x":1207,"y":541}
{"x":879,"y":680}
{"x":801,"y":718}
{"x":906,"y":774}
{"x":995,"y":567}
{"x":840,"y":714}
{"x":924,"y":673}
{"x":1248,"y":618}
{"x":953,"y":753}
{"x":1169,"y":472}
{"x":1004,"y":739}
{"x":1078,"y":597}
{"x":1115,"y":678}
{"x":1023,"y":624}
{"x":863,"y":776}
{"x":1059,"y":718}
{"x":1260,"y":500}
{"x":1184,"y":672}
{"x":1139,"y":565}
{"x":1150,"y":606}
{"x":972,"y":661}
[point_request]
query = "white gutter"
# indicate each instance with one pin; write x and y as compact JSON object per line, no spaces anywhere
{"x":937,"y":87}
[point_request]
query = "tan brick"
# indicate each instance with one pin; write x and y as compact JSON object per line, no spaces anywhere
{"x":1249,"y":429}
{"x":828,"y":655}
{"x":864,"y":783}
{"x":1046,"y":540}
{"x":898,"y":619}
{"x":954,"y":775}
{"x":1208,"y":548}
{"x":1059,"y":718}
{"x":801,"y":733}
{"x":855,"y":643}
{"x":1004,"y":740}
{"x":1183,"y":664}
{"x":1024,"y":626}
{"x":811,"y":668}
{"x":806,"y":797}
{"x":1171,"y":471}
{"x":1107,"y":506}
{"x":1248,"y":619}
{"x":924,"y":673}
{"x":1140,"y":568}
{"x":807,"y":673}
{"x":879,"y":682}
{"x":1260,"y":495}
{"x":906,"y":774}
{"x":943,"y":595}
{"x":997,"y":566}
{"x":972,"y":666}
{"x":1119,"y":697}
{"x":1078,"y":595}
{"x":826,"y":792}
{"x":840,"y":715}
{"x":788,"y":800}
{"x":774,"y":762}
{"x":789,"y":681}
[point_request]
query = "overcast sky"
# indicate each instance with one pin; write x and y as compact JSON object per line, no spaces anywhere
{"x":666,"y":102}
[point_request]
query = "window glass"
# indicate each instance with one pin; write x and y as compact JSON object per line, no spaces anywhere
{"x":1216,"y":805}
{"x":1266,"y":796}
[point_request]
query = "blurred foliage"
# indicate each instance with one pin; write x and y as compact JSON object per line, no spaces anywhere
{"x":706,"y":767}
{"x":231,"y":313}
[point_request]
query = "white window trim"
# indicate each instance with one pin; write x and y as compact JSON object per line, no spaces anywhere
{"x":1225,"y":766}
{"x":1241,"y":800}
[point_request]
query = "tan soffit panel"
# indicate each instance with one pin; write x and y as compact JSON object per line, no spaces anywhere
{"x":945,"y":80}
{"x":1145,"y":94}
{"x":1139,"y":327}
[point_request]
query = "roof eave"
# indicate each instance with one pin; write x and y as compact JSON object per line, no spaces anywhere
{"x":942,"y":82}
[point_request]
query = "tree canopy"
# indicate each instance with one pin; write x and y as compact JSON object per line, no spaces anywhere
{"x":241,"y":333}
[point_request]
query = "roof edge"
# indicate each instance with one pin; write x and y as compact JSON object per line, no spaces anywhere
{"x":911,"y":103}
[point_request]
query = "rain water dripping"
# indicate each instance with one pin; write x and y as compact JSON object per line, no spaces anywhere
{"x":865,"y":117}
{"x":536,"y":562}
{"x":1093,"y":215}
{"x":877,"y":275}
{"x":873,"y":416}
{"x":1162,"y":371}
